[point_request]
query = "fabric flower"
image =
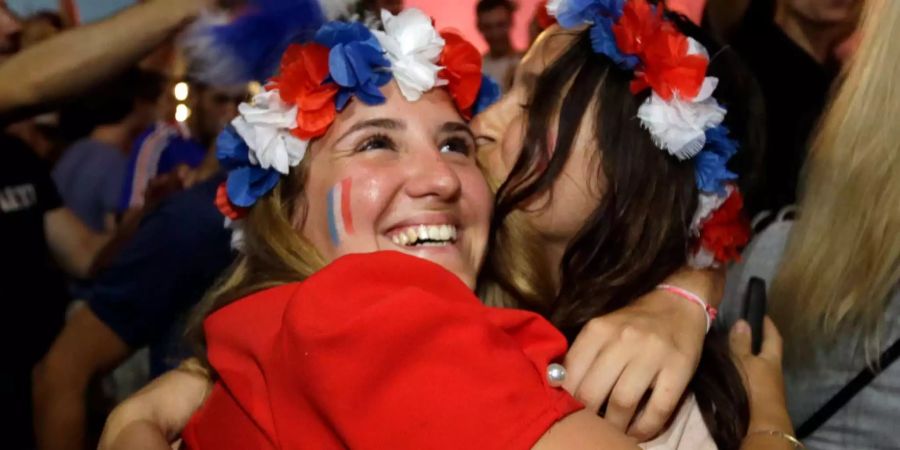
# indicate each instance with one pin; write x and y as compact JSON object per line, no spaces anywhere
{"x":413,"y":47}
{"x":488,"y":94}
{"x":265,"y":126}
{"x":669,"y":68}
{"x":223,"y":203}
{"x":356,"y":62}
{"x":669,"y":64}
{"x":710,"y":165}
{"x":603,"y":41}
{"x":573,"y":13}
{"x":246,"y":185}
{"x":727,"y":231}
{"x":246,"y":182}
{"x":462,"y":70}
{"x":544,"y":18}
{"x":707,"y":203}
{"x":679,"y":126}
{"x":638,"y":23}
{"x":301,"y":82}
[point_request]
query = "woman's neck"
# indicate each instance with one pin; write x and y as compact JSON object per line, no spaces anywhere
{"x":815,"y":39}
{"x":553,"y":256}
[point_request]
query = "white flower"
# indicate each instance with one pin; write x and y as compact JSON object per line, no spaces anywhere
{"x":413,"y":47}
{"x":696,"y":48}
{"x":553,"y":7}
{"x":702,"y":259}
{"x":265,"y":126}
{"x":679,"y":126}
{"x":237,"y":233}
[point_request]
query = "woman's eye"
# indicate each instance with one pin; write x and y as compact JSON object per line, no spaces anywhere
{"x":376,"y":143}
{"x":457,"y":145}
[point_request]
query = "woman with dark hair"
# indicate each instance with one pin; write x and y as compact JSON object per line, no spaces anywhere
{"x":589,"y":191}
{"x":728,"y":431}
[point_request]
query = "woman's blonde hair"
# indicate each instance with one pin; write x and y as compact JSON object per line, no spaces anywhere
{"x":842,"y":261}
{"x":273,"y":252}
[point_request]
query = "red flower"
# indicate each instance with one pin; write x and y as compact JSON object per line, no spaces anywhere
{"x":638,"y":24}
{"x":543,"y":18}
{"x":668,"y":68}
{"x":225,"y":206}
{"x":663,"y":50}
{"x":727,"y":231}
{"x":462,"y":70}
{"x":301,"y":82}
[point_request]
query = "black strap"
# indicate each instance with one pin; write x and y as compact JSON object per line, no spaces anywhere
{"x":848,"y":392}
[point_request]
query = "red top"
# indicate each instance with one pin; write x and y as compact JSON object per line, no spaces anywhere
{"x":377,"y":351}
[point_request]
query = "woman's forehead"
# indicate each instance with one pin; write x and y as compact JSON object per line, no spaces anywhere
{"x":435,"y":105}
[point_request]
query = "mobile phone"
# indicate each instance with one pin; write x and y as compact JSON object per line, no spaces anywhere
{"x":755,"y":310}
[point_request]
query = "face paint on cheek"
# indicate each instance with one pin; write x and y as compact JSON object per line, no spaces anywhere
{"x":340,"y":218}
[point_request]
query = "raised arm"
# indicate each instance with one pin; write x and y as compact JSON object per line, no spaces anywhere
{"x":75,"y":60}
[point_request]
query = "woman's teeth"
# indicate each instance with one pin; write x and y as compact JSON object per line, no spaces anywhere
{"x":424,"y":235}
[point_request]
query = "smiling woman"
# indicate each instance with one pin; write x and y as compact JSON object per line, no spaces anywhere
{"x":365,"y":225}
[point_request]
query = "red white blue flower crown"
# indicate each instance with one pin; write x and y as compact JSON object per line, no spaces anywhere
{"x":681,"y":114}
{"x":317,"y":79}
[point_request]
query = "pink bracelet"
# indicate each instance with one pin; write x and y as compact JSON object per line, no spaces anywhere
{"x":711,"y":312}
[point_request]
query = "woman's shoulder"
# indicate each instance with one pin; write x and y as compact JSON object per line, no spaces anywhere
{"x":248,"y":324}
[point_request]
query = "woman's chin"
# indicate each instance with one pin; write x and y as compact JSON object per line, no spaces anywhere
{"x":448,"y":256}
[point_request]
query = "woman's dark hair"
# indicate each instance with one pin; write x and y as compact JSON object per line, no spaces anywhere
{"x":639,"y":232}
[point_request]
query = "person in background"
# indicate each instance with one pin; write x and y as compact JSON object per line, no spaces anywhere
{"x":77,"y":59}
{"x":179,"y":147}
{"x":91,"y":172}
{"x":834,"y":272}
{"x":789,"y":45}
{"x":495,"y":20}
{"x":38,"y":27}
{"x":41,"y":133}
{"x":10,"y":28}
{"x":139,"y":300}
{"x":36,"y":231}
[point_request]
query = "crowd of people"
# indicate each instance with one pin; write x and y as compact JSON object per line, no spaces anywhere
{"x":395,"y":240}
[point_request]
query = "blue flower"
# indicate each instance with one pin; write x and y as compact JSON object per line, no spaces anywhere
{"x":488,"y":93}
{"x":356,"y":62}
{"x":231,"y":150}
{"x":603,"y":41}
{"x":245,"y":185}
{"x":246,"y":182}
{"x":710,"y":164}
{"x":573,"y":13}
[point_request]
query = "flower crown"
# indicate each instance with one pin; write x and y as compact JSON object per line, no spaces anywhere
{"x":681,"y":114}
{"x":317,"y":79}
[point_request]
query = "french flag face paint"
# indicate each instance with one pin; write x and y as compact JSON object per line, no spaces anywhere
{"x":340,"y":219}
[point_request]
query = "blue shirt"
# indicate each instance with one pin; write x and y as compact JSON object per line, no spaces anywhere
{"x":159,"y":150}
{"x":178,"y":252}
{"x":89,"y":177}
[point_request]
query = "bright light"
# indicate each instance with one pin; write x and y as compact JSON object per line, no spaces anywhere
{"x":254,"y":88}
{"x":182,"y":112}
{"x":181,"y":91}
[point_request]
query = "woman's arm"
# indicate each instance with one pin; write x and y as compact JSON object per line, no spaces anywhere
{"x":77,"y":59}
{"x":154,"y":417}
{"x":652,"y":344}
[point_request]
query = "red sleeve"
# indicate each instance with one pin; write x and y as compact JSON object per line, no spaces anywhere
{"x":392,"y":351}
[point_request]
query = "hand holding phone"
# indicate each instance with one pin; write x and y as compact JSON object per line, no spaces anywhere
{"x":755,"y":311}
